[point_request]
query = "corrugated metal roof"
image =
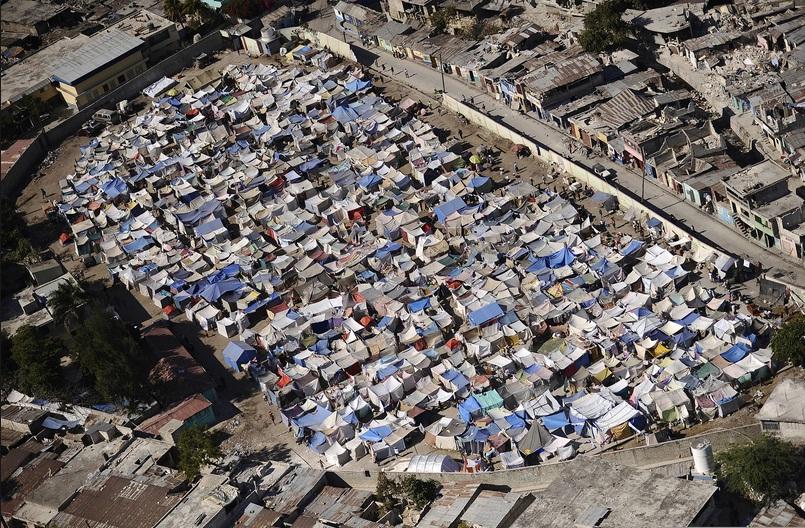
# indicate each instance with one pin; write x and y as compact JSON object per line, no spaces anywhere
{"x":102,"y":49}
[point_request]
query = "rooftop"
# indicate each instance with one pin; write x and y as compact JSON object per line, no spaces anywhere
{"x":289,"y":492}
{"x":181,"y":412}
{"x":786,"y":403}
{"x":34,"y":71}
{"x":780,"y":206}
{"x":29,"y":12}
{"x":102,"y":48}
{"x":757,"y":177}
{"x":624,"y":497}
{"x":556,"y":75}
{"x":206,"y":500}
{"x":142,"y":24}
{"x":110,"y":501}
{"x":663,"y":20}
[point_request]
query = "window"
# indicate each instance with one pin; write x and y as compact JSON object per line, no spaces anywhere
{"x":770,"y":426}
{"x":105,"y":88}
{"x":121,"y":79}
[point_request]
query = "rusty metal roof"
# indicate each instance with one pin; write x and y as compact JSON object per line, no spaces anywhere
{"x":558,"y":74}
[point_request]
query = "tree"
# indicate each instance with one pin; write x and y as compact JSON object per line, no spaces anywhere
{"x":246,"y":9}
{"x":603,"y":28}
{"x":762,"y":471}
{"x":38,"y":360}
{"x":441,"y":18}
{"x":8,"y":367}
{"x":109,"y":356}
{"x":386,"y":493}
{"x":197,"y":11}
{"x":788,"y":343}
{"x":196,"y":449}
{"x":173,"y":10}
{"x":66,"y":302}
{"x":419,"y":492}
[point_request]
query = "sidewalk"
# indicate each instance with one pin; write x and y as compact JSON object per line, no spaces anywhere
{"x":427,"y":80}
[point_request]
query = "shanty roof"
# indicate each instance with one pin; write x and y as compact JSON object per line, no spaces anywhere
{"x":786,"y":403}
{"x":556,"y":75}
{"x":104,"y":47}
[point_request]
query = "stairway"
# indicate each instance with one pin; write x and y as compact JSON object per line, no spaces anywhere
{"x":740,"y":224}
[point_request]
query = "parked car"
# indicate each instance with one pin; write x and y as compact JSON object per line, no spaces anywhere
{"x":107,"y":116}
{"x":91,"y":128}
{"x":602,"y":171}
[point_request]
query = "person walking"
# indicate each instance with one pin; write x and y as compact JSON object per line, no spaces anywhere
{"x":44,"y":194}
{"x":515,"y":168}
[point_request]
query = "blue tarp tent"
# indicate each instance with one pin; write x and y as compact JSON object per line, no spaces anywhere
{"x":418,"y":306}
{"x":114,"y":188}
{"x":467,"y":408}
{"x":210,"y":227}
{"x":633,"y":246}
{"x":238,"y":353}
{"x":344,"y":114}
{"x":313,"y":418}
{"x":376,"y":434}
{"x":446,"y":209}
{"x":138,"y":245}
{"x":215,"y":291}
{"x":561,"y":258}
{"x":485,"y":314}
{"x":552,"y":422}
{"x":736,"y":352}
{"x":369,"y":181}
{"x":357,"y":85}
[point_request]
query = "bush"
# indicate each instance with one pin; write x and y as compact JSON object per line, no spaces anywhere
{"x":419,"y":492}
{"x":196,"y":449}
{"x":762,"y":471}
{"x":603,"y":28}
{"x":788,"y":343}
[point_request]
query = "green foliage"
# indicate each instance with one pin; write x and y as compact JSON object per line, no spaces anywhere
{"x":417,"y":493}
{"x":603,"y":28}
{"x":762,"y":471}
{"x":109,"y":356}
{"x":15,"y":247}
{"x":246,"y":9}
{"x":196,"y":449}
{"x":8,"y":367}
{"x":441,"y":18}
{"x":38,"y":361}
{"x":788,"y":343}
{"x":66,"y":301}
{"x":173,"y":10}
{"x":386,"y":493}
{"x":198,"y":12}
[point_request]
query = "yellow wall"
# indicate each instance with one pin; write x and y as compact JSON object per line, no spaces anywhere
{"x":90,"y":89}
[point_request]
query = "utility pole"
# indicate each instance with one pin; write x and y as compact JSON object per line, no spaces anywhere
{"x":643,"y":185}
{"x":441,"y":69}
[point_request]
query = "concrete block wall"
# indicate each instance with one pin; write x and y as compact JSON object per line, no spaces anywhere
{"x":667,"y":452}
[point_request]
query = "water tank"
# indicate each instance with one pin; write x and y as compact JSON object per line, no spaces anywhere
{"x":703,"y":461}
{"x":268,"y":33}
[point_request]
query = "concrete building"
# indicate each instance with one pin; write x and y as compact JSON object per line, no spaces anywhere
{"x":195,"y":410}
{"x":757,"y":197}
{"x":31,"y":76}
{"x":410,"y":10}
{"x":159,"y":34}
{"x":20,"y":19}
{"x":596,"y":493}
{"x":783,"y":414}
{"x":110,"y":58}
{"x":208,"y":505}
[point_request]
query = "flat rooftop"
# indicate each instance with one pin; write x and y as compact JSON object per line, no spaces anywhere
{"x":780,"y":206}
{"x":592,"y":492}
{"x":29,"y":12}
{"x":102,"y":48}
{"x":34,"y":72}
{"x":757,"y":177}
{"x":142,"y":24}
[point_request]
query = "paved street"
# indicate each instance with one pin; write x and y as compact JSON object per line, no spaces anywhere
{"x":427,"y":80}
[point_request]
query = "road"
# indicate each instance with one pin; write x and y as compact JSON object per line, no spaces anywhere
{"x":427,"y":80}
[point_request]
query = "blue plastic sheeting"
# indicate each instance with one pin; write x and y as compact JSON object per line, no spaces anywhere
{"x":653,"y":222}
{"x":561,"y":258}
{"x":688,"y":319}
{"x":418,"y":306}
{"x":209,"y":227}
{"x":238,"y":353}
{"x":736,"y":352}
{"x":633,"y":246}
{"x":467,"y":408}
{"x":85,"y":185}
{"x":213,"y":292}
{"x":389,"y":370}
{"x":446,"y":209}
{"x":479,"y":181}
{"x":376,"y":434}
{"x":317,"y":439}
{"x":552,"y":422}
{"x":310,"y":165}
{"x":515,"y":421}
{"x":114,"y":188}
{"x":600,"y":197}
{"x":138,"y":245}
{"x":485,"y":314}
{"x":256,"y":305}
{"x":357,"y":85}
{"x":369,"y":181}
{"x":196,"y":215}
{"x":387,"y":249}
{"x":225,"y":273}
{"x":345,"y":114}
{"x":456,"y":378}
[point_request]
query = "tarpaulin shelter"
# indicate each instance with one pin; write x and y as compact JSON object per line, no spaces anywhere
{"x":238,"y":353}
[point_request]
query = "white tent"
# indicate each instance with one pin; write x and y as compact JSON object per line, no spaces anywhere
{"x":433,"y":463}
